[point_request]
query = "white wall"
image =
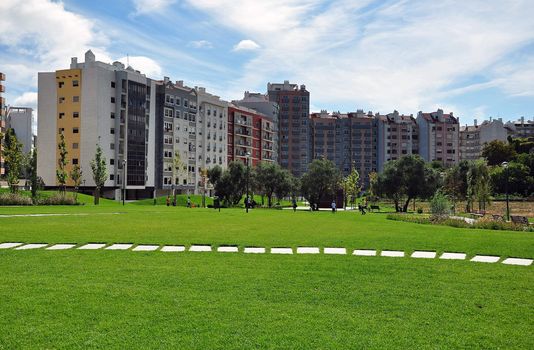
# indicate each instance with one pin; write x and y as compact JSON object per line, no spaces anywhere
{"x":47,"y":128}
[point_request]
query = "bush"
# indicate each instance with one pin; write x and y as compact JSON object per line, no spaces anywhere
{"x":58,"y":199}
{"x":419,"y":210}
{"x":439,"y":205}
{"x":14,"y":199}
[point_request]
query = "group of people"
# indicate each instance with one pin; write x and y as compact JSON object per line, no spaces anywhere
{"x":168,"y":201}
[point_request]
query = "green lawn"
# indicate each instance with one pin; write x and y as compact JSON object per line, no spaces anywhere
{"x":125,"y":299}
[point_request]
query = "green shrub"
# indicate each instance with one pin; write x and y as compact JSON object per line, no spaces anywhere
{"x":14,"y":199}
{"x":439,"y":205}
{"x":419,"y":210}
{"x":58,"y":199}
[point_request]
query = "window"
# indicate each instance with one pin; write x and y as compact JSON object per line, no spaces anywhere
{"x":75,"y":114}
{"x":74,"y":161}
{"x":75,"y":146}
{"x":186,"y":103}
{"x":75,"y":98}
{"x":61,"y":99}
{"x":112,"y":84}
{"x":111,"y":161}
{"x":177,"y":113}
{"x":112,"y":177}
{"x":60,"y":84}
{"x":75,"y":83}
{"x":112,"y":131}
{"x":112,"y":146}
{"x":75,"y":130}
{"x":178,"y":101}
{"x":112,"y":115}
{"x":61,"y":115}
{"x":113,"y":100}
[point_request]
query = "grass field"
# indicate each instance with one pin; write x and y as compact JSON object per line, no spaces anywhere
{"x":125,"y":299}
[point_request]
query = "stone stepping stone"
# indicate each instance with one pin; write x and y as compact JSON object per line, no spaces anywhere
{"x":93,"y":246}
{"x":61,"y":246}
{"x":281,"y":251}
{"x":340,"y":251}
{"x":9,"y":245}
{"x":517,"y":261}
{"x":173,"y":248}
{"x":308,"y":250}
{"x":485,"y":259}
{"x":200,"y":248}
{"x":145,"y":248}
{"x":228,"y":249}
{"x":119,"y":246}
{"x":423,"y":255}
{"x":453,"y":256}
{"x":364,"y":252}
{"x":254,"y":250}
{"x":32,"y":246}
{"x":392,"y":253}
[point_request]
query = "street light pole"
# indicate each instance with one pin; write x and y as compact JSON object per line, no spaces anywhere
{"x":123,"y":180}
{"x":505,"y":166}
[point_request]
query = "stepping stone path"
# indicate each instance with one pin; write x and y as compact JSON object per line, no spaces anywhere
{"x":423,"y":255}
{"x":254,"y":250}
{"x":485,"y":259}
{"x":308,"y":250}
{"x":120,"y":246}
{"x":200,"y":248}
{"x":145,"y":248}
{"x":517,"y":261}
{"x":93,"y":246}
{"x":364,"y":252}
{"x":392,"y":253}
{"x":453,"y":256}
{"x":32,"y":246}
{"x":340,"y":251}
{"x":173,"y":248}
{"x":281,"y":251}
{"x":228,"y":249}
{"x":61,"y":246}
{"x":9,"y":245}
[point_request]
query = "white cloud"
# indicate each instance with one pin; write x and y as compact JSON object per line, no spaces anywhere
{"x":246,"y":45}
{"x":151,"y":6}
{"x":145,"y":65}
{"x":201,"y":44}
{"x":27,"y":99}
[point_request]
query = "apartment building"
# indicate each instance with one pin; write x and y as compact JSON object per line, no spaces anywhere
{"x":175,"y":143}
{"x":94,"y":103}
{"x":439,"y":135}
{"x":20,"y":119}
{"x":294,"y":130}
{"x":521,"y":128}
{"x":2,"y":119}
{"x":260,"y":103}
{"x":250,"y":136}
{"x":349,"y":140}
{"x":473,"y":137}
{"x":397,"y":136}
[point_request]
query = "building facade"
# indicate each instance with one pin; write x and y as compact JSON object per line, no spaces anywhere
{"x":397,"y":136}
{"x":349,"y":140}
{"x":2,"y":120}
{"x":20,"y":119}
{"x":175,"y":143}
{"x":521,"y":128}
{"x":250,"y":136}
{"x":294,"y":149}
{"x":473,"y":137}
{"x":97,"y":103}
{"x":439,"y":135}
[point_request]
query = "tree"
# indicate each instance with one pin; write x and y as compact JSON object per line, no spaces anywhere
{"x":214,"y":175}
{"x":497,"y":152}
{"x":13,"y":159}
{"x":478,"y":184}
{"x":76,"y":176}
{"x":100,"y":174}
{"x":351,"y":185}
{"x":455,"y":181}
{"x":230,"y":185}
{"x":32,"y":174}
{"x":518,"y":177}
{"x":521,"y":145}
{"x":321,"y":179}
{"x":61,"y":172}
{"x":267,"y":175}
{"x":284,"y":184}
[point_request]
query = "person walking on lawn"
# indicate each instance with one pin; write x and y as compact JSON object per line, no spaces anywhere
{"x":333,"y":206}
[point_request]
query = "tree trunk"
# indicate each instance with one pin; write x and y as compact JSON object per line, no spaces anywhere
{"x":270,"y":199}
{"x":405,"y":207}
{"x":97,"y":195}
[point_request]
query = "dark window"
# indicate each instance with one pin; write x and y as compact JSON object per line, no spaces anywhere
{"x":75,"y":83}
{"x":112,"y":115}
{"x":60,"y":84}
{"x":61,"y":115}
{"x":113,"y":84}
{"x":75,"y":114}
{"x":75,"y":130}
{"x":112,"y":131}
{"x":111,"y":161}
{"x":75,"y":161}
{"x":113,"y":100}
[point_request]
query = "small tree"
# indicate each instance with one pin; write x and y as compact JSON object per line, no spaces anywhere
{"x":32,"y":173}
{"x":439,"y":205}
{"x":13,"y":159}
{"x":351,"y":186}
{"x":322,"y":179}
{"x":100,"y":174}
{"x":61,"y":172}
{"x":478,"y":184}
{"x":76,"y":176}
{"x":284,"y":184}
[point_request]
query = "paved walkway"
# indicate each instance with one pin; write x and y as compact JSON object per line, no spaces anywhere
{"x":262,"y":250}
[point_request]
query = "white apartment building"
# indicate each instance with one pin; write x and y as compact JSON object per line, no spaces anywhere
{"x":473,"y":137}
{"x":20,"y":119}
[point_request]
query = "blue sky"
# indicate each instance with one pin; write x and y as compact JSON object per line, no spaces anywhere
{"x":475,"y":58}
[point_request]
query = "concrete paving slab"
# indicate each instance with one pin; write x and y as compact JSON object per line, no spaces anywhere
{"x":200,"y":248}
{"x":340,"y":251}
{"x":145,"y":248}
{"x":453,"y":256}
{"x":173,"y":248}
{"x":254,"y":250}
{"x":308,"y":250}
{"x":281,"y":251}
{"x":392,"y":253}
{"x":485,"y":259}
{"x":423,"y":255}
{"x":32,"y":246}
{"x":364,"y":252}
{"x":9,"y":245}
{"x":93,"y":246}
{"x":228,"y":249}
{"x":119,"y":246}
{"x":517,"y":261}
{"x":62,"y":246}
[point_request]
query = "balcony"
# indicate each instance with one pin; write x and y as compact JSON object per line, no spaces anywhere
{"x":244,"y":143}
{"x":243,"y":122}
{"x":244,"y":132}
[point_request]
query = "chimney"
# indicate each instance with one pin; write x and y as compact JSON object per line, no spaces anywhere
{"x":475,"y":121}
{"x":500,"y":119}
{"x":89,"y":56}
{"x":522,"y":121}
{"x":180,"y":83}
{"x":166,"y":80}
{"x":73,"y":62}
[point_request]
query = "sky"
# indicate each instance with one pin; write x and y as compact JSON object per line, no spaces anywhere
{"x":474,"y":58}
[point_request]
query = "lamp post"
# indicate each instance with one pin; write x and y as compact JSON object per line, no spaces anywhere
{"x":505,"y":166}
{"x":123,"y":180}
{"x":247,"y":155}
